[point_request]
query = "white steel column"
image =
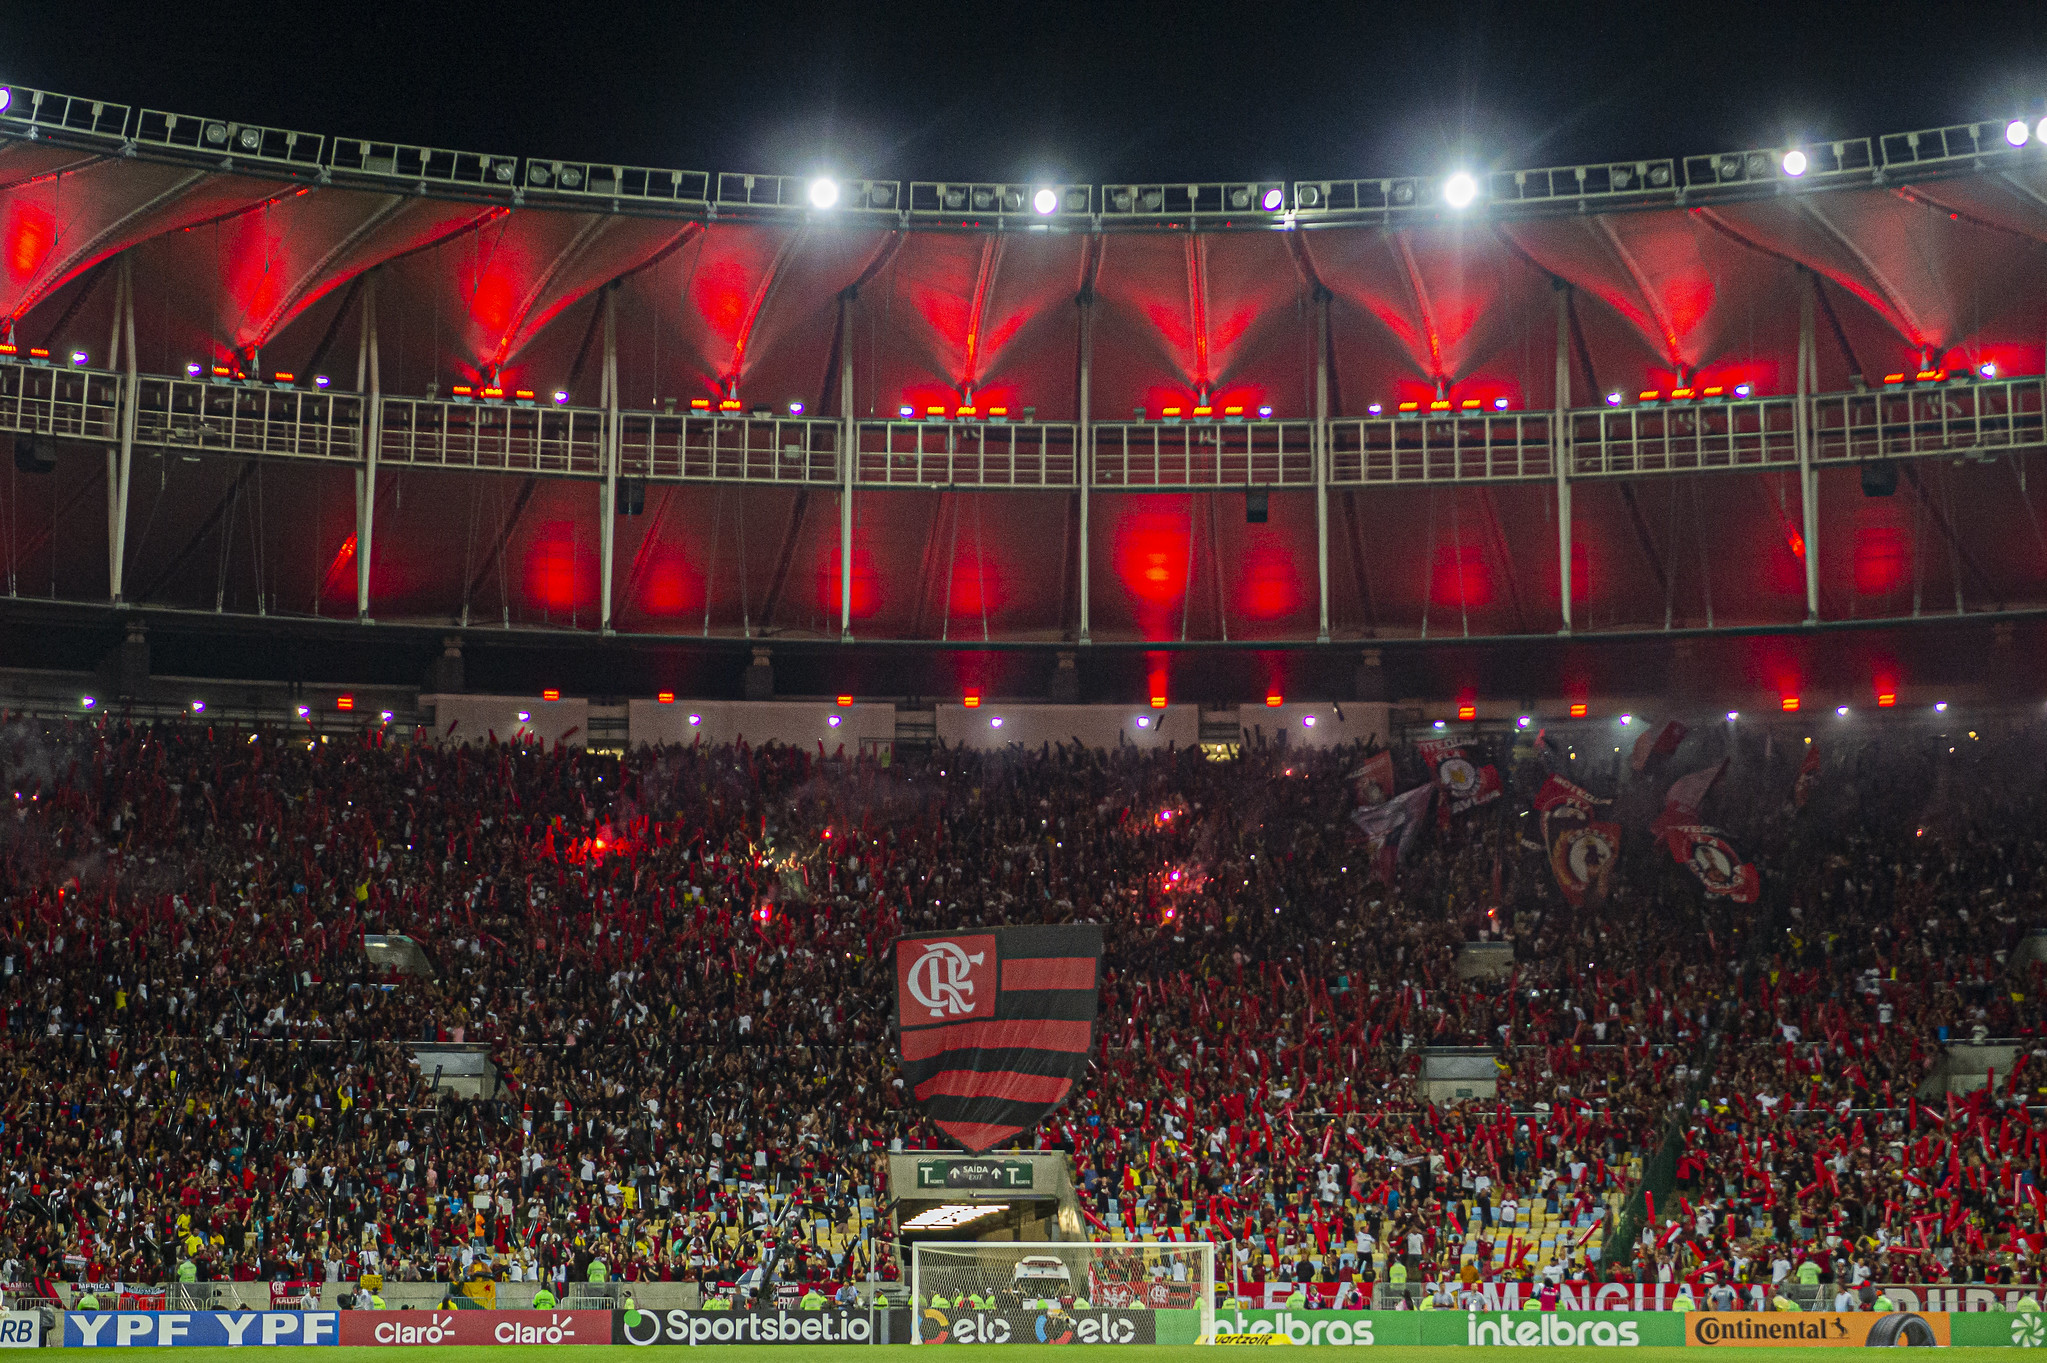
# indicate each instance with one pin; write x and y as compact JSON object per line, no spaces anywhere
{"x":1808,"y":477}
{"x":1560,"y":449}
{"x":121,"y":462}
{"x":1321,"y":455}
{"x":607,"y":518}
{"x":366,"y":481}
{"x":849,"y":455}
{"x":1084,"y":443}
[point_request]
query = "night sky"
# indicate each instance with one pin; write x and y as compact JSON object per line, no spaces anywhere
{"x":1093,"y":92}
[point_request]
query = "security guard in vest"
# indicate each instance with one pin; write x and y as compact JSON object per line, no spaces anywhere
{"x":1883,"y":1301}
{"x":544,"y":1300}
{"x":88,"y":1300}
{"x":1396,"y":1273}
{"x":188,"y":1272}
{"x":940,"y":1302}
{"x":1298,"y":1298}
{"x":599,"y":1270}
{"x":1684,"y":1300}
{"x":1082,"y":1304}
{"x":2029,"y":1302}
{"x":375,"y":1302}
{"x":1809,"y":1274}
{"x":813,"y":1300}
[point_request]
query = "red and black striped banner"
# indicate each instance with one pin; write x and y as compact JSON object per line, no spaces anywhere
{"x":996,"y":1024}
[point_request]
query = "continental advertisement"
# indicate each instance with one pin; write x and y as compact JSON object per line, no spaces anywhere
{"x":1818,"y":1329}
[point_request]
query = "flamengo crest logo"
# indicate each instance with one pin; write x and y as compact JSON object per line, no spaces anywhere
{"x":942,"y":978}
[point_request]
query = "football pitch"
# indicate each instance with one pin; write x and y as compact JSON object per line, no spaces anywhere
{"x":1012,"y":1353}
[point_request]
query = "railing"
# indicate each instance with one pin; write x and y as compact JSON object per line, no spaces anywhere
{"x":728,"y":448}
{"x":966,"y":454}
{"x":561,"y":440}
{"x":1961,"y":420}
{"x":82,"y":404}
{"x":190,"y":414}
{"x":1157,"y":455}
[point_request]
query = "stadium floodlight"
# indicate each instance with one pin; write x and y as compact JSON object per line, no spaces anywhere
{"x":795,"y":409}
{"x":1499,"y":404}
{"x":79,"y":357}
{"x":88,"y":702}
{"x":1940,"y":707}
{"x":824,"y":192}
{"x":2039,"y":129}
{"x":6,"y":98}
{"x":1733,"y":715}
{"x":1613,"y":399}
{"x":1842,"y":711}
{"x":1441,"y":725}
{"x":561,"y":397}
{"x":1460,"y":189}
{"x":1794,"y":163}
{"x":1265,"y":413}
{"x":1742,"y":390}
{"x":1988,"y":371}
{"x":1274,"y":200}
{"x":2017,"y":133}
{"x":1045,"y":202}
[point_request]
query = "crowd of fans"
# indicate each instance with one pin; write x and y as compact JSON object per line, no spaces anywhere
{"x":679,"y":964}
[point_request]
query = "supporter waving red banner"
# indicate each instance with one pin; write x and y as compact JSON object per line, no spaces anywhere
{"x":996,"y":1024}
{"x":1582,"y":846}
{"x":1703,"y":850}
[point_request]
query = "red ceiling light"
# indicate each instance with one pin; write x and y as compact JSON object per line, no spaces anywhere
{"x":344,"y":702}
{"x":550,"y":694}
{"x":972,"y":700}
{"x":1274,"y":699}
{"x":1158,"y":702}
{"x":1886,"y":699}
{"x":666,"y":697}
{"x":1790,"y":704}
{"x":1579,"y":709}
{"x":845,"y":700}
{"x":1467,"y":712}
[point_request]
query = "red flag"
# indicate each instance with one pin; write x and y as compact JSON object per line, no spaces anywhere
{"x":1655,"y":743}
{"x":1808,"y":776}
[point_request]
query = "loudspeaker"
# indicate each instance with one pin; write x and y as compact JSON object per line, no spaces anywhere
{"x":1880,"y":479}
{"x":1254,"y":506}
{"x":32,"y":455}
{"x":632,"y":496}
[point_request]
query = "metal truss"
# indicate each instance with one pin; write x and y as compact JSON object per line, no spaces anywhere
{"x":968,"y":200}
{"x":1243,"y":199}
{"x":32,"y":114}
{"x":1608,"y":184}
{"x":245,"y":141}
{"x":728,"y":449}
{"x":966,"y":455}
{"x":192,"y":415}
{"x":1981,"y":419}
{"x":1157,"y":456}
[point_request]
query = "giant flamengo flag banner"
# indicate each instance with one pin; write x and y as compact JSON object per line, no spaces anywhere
{"x":996,"y":1024}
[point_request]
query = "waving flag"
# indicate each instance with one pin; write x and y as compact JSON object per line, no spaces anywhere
{"x":1372,"y":783}
{"x":996,"y":1024}
{"x":1389,"y":829}
{"x":1701,"y":849}
{"x":1466,"y":785}
{"x":1582,"y":846}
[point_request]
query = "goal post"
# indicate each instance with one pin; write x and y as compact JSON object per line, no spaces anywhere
{"x":996,"y":1291}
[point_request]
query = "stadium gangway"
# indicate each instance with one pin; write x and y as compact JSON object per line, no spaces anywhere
{"x":197,"y":415}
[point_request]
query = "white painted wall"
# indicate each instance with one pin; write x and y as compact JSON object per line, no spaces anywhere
{"x":1355,"y":724}
{"x":475,"y":718}
{"x":1098,"y":726}
{"x":799,"y":723}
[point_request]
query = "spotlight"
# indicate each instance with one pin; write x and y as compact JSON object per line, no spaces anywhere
{"x":2039,"y":129}
{"x":1307,"y":721}
{"x":1842,"y":711}
{"x":1523,"y":722}
{"x":88,"y":702}
{"x":320,"y":380}
{"x":1375,"y":409}
{"x":1046,"y":202}
{"x":795,"y":409}
{"x":1076,"y":200}
{"x":832,"y":720}
{"x":1794,"y":163}
{"x":1742,"y":390}
{"x":2017,"y":133}
{"x":995,"y":722}
{"x":1733,"y":715}
{"x":1627,"y":720}
{"x":1273,"y":201}
{"x":695,"y":720}
{"x":198,"y":707}
{"x":525,"y":716}
{"x":1613,"y":399}
{"x":1265,"y":413}
{"x":305,"y":710}
{"x":1240,"y":197}
{"x":1940,"y":707}
{"x":1012,"y":200}
{"x":250,"y":139}
{"x":1499,"y":404}
{"x":1988,"y":371}
{"x":906,"y":412}
{"x":79,"y":357}
{"x":1459,"y":190}
{"x":824,"y":193}
{"x":6,"y":98}
{"x":1441,"y":725}
{"x":561,"y":397}
{"x":1144,"y":721}
{"x":1310,"y":196}
{"x":194,"y":370}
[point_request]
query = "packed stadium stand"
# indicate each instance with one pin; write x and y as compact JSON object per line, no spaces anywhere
{"x":671,"y":959}
{"x":891,"y":558}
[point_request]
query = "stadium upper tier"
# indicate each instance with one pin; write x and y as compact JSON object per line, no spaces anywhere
{"x":267,"y":319}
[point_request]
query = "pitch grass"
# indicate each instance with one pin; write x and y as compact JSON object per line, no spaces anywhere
{"x":1026,"y":1353}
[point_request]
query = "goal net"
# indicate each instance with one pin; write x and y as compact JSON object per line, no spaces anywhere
{"x":1080,"y":1291}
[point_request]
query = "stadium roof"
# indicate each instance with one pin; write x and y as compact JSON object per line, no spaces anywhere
{"x":1677,"y":291}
